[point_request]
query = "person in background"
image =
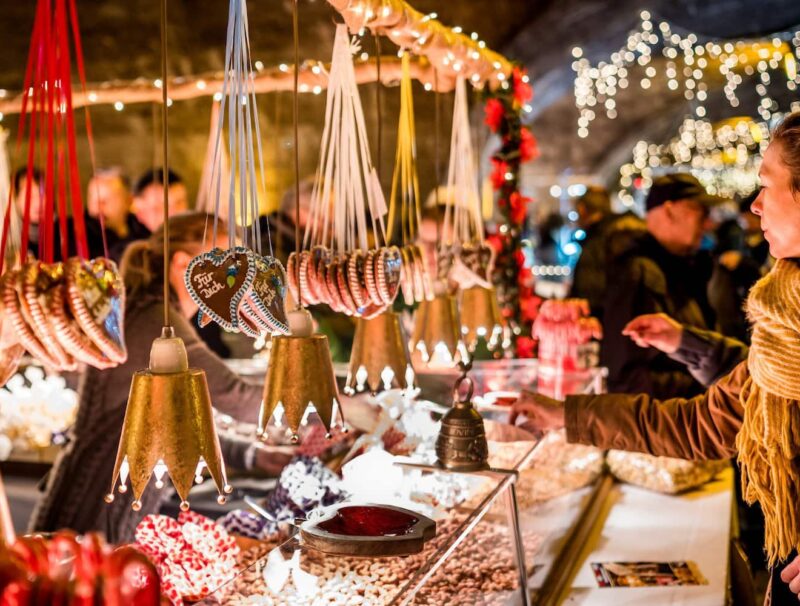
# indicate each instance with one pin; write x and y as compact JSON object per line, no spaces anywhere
{"x":659,"y":272}
{"x":108,"y":194}
{"x":603,"y":229}
{"x":21,"y":184}
{"x":81,"y":475}
{"x":148,"y":197}
{"x":753,"y":411}
{"x":277,"y":228}
{"x":339,"y":328}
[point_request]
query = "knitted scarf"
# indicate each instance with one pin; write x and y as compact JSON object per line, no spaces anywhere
{"x":769,"y":440}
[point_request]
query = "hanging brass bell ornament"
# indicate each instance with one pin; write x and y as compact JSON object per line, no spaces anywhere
{"x":169,"y":427}
{"x":461,"y":445}
{"x":436,"y":340}
{"x":480,"y":317}
{"x":379,"y":360}
{"x":300,"y":379}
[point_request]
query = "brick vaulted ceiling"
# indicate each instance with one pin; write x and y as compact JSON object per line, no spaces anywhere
{"x":121,"y":41}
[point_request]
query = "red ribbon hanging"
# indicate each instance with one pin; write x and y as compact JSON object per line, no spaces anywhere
{"x":47,"y":112}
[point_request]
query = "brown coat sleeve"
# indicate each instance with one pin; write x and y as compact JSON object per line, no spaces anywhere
{"x":703,"y":427}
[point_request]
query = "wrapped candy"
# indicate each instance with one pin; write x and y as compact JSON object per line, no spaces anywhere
{"x":194,"y":556}
{"x":305,"y":484}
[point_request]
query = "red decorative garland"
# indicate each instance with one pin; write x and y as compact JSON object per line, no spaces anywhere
{"x":513,"y":278}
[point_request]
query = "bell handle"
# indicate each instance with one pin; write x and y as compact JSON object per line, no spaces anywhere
{"x":460,"y":398}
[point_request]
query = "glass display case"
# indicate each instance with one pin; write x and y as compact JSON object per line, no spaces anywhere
{"x":493,"y":546}
{"x":473,"y":555}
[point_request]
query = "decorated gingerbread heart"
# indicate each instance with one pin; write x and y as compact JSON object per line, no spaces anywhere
{"x":96,"y":298}
{"x":268,"y":293}
{"x":70,"y":335}
{"x":39,"y":281}
{"x":11,"y":285}
{"x":219,"y":280}
{"x":388,"y":269}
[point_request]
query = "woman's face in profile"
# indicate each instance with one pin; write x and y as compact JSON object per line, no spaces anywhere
{"x":777,"y":206}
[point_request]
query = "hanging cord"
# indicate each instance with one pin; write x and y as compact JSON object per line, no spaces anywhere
{"x":164,"y":173}
{"x":436,"y":135}
{"x":378,"y":113}
{"x":295,"y":118}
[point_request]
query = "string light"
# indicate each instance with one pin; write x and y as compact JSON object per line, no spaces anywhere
{"x":596,"y":84}
{"x":725,"y":159}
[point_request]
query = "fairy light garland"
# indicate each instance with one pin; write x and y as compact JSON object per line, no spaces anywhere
{"x":724,"y":157}
{"x":688,"y":63}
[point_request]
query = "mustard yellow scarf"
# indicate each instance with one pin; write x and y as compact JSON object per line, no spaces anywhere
{"x":769,"y":440}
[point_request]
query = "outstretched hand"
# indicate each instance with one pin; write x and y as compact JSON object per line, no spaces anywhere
{"x":542,"y":413}
{"x":655,"y":330}
{"x":791,"y":575}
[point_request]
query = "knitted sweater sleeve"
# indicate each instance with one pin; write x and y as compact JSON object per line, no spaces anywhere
{"x":703,"y":427}
{"x":230,"y":393}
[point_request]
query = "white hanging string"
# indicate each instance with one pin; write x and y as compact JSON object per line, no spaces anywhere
{"x":244,"y":136}
{"x":205,"y":201}
{"x":463,"y":220}
{"x":344,"y":188}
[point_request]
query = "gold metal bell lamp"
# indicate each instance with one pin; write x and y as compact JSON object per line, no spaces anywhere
{"x":480,"y":317}
{"x":169,"y":427}
{"x":462,"y":445}
{"x":379,"y":360}
{"x":436,"y":339}
{"x":169,"y":424}
{"x":300,"y":378}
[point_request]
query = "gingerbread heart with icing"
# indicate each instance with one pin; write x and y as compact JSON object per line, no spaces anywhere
{"x":39,"y":281}
{"x":70,"y":335}
{"x":388,"y":269}
{"x":12,"y":302}
{"x":219,"y":280}
{"x":268,"y":294}
{"x":96,"y":298}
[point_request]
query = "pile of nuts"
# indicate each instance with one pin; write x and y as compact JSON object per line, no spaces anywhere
{"x":478,"y":573}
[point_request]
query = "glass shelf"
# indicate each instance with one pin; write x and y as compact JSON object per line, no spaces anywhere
{"x":473,"y":552}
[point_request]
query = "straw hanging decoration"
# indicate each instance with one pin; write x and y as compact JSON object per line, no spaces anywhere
{"x":71,"y":311}
{"x":345,"y":262}
{"x":436,"y":340}
{"x":238,"y":288}
{"x":404,"y":205}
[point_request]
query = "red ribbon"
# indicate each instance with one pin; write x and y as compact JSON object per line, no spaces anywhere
{"x":47,"y":106}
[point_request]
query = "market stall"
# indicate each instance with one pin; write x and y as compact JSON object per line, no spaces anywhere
{"x":404,"y":482}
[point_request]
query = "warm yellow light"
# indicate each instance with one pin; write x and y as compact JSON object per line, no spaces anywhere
{"x":790,"y":64}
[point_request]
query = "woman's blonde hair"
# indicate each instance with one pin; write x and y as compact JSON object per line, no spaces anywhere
{"x":142,"y":265}
{"x":787,"y":133}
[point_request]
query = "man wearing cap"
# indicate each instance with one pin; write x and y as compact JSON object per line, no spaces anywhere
{"x":660,"y":272}
{"x":604,"y":231}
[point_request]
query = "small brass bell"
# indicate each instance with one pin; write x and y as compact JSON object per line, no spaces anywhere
{"x":461,"y":445}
